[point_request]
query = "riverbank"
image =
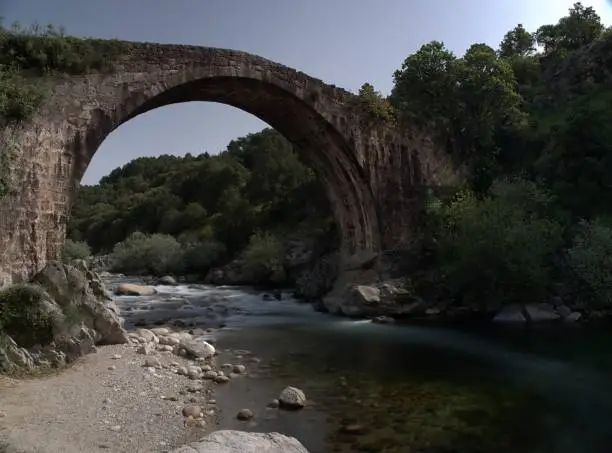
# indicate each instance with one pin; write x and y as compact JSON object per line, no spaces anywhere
{"x":370,"y":387}
{"x":107,"y":401}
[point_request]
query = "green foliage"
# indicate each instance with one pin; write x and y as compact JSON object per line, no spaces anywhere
{"x":590,"y":261}
{"x":498,"y":249}
{"x":75,"y":250}
{"x":376,"y":110}
{"x":426,"y":85}
{"x":579,"y":28}
{"x":518,"y":42}
{"x":468,"y":99}
{"x":38,"y":51}
{"x":210,"y":205}
{"x":263,"y":258}
{"x":155,"y":254}
{"x":201,"y":257}
{"x":22,"y":315}
{"x":48,"y":49}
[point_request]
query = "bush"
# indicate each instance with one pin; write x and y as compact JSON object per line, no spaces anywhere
{"x":589,"y":259}
{"x":142,"y":254}
{"x":18,"y":98}
{"x":263,"y":259}
{"x":200,"y":258}
{"x":23,"y":316}
{"x":75,"y":250}
{"x":499,"y":249}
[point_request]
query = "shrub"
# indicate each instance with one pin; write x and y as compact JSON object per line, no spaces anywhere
{"x":75,"y":250}
{"x":18,"y":98}
{"x":589,"y":259}
{"x":23,"y":315}
{"x":142,"y":254}
{"x":199,"y":258}
{"x":263,"y":258}
{"x":499,"y":249}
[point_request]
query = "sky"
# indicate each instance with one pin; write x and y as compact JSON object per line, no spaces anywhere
{"x":343,"y":42}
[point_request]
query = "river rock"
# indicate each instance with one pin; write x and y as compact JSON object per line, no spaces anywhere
{"x":244,"y":414}
{"x":167,"y":280}
{"x":197,"y":348}
{"x":192,"y":410}
{"x":239,"y":369}
{"x":221,"y":379}
{"x":541,"y":312}
{"x":383,"y":320}
{"x":510,"y":314}
{"x":292,"y":398}
{"x":573,"y":317}
{"x":231,"y":441}
{"x":131,"y":289}
{"x":563,"y":310}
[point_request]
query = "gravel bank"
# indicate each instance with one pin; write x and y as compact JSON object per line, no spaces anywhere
{"x":103,"y":403}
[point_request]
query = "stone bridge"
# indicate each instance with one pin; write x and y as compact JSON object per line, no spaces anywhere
{"x":371,"y":174}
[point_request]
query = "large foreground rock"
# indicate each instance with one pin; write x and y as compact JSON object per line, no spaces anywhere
{"x":62,"y":314}
{"x":229,"y":441}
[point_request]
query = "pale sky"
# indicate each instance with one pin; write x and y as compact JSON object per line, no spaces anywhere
{"x":343,"y":42}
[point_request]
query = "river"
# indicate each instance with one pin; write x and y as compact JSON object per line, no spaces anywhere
{"x":399,"y":388}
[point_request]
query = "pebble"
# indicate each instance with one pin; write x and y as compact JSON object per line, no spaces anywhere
{"x":116,"y":356}
{"x":354,"y":428}
{"x":112,"y":367}
{"x":274,"y":404}
{"x":152,"y":362}
{"x":239,"y":369}
{"x":244,"y":414}
{"x":222,"y":379}
{"x":192,"y":410}
{"x":115,"y":428}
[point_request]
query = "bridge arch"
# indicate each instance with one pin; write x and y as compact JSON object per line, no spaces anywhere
{"x":306,"y":111}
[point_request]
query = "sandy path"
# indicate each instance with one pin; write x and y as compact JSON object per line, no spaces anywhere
{"x":90,"y":408}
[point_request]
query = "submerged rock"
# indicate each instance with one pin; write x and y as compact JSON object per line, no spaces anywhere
{"x":230,"y":441}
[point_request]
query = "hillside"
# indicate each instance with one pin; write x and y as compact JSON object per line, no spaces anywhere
{"x":202,"y":211}
{"x":531,"y":120}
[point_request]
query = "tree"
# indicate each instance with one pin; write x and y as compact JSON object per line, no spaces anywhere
{"x":518,"y":42}
{"x":426,"y":84}
{"x":489,"y":93}
{"x":579,"y":28}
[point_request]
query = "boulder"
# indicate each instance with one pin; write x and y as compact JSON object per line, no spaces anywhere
{"x":573,"y":317}
{"x":56,"y":318}
{"x":541,"y":312}
{"x":197,"y":348}
{"x":292,"y":398}
{"x":230,"y":441}
{"x":510,"y":314}
{"x":131,"y":289}
{"x":167,"y":280}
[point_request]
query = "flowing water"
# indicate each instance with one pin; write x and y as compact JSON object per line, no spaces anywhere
{"x":398,"y":388}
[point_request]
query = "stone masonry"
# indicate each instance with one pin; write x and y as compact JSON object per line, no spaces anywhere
{"x":371,"y":174}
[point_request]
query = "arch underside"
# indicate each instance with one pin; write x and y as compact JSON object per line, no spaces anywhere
{"x":318,"y":142}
